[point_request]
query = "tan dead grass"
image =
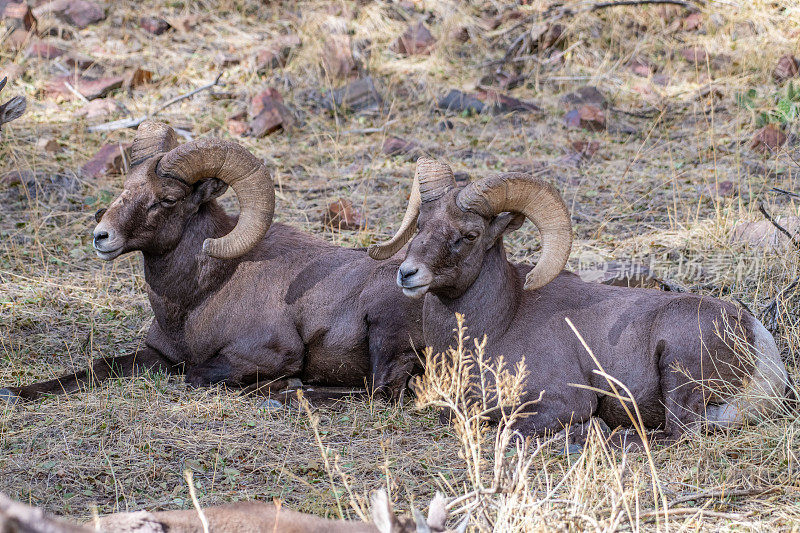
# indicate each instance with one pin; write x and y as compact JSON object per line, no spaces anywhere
{"x":125,"y":445}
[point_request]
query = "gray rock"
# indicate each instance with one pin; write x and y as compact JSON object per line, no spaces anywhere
{"x":271,"y":405}
{"x":8,"y":397}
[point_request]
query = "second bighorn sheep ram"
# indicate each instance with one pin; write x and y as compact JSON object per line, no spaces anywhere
{"x":246,"y":303}
{"x":676,"y":353}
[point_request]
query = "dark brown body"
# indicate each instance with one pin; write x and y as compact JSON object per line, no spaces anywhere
{"x":290,"y":306}
{"x":639,"y":336}
{"x":687,"y":360}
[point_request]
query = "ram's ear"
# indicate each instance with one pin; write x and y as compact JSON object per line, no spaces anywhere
{"x":502,"y":224}
{"x":206,"y":190}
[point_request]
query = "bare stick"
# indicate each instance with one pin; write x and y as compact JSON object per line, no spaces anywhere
{"x":788,"y":193}
{"x":189,"y":94}
{"x":783,"y":230}
{"x":135,"y":122}
{"x":76,"y":92}
{"x":682,"y":511}
{"x":604,"y":5}
{"x":721,"y":494}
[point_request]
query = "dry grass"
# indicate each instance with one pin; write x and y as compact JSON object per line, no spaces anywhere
{"x":125,"y":445}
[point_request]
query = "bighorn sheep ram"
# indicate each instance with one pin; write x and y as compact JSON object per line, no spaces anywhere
{"x":241,"y":517}
{"x":673,"y":351}
{"x":13,"y":109}
{"x":246,"y":303}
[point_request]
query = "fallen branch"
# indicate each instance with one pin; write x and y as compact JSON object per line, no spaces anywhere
{"x":792,"y":239}
{"x":604,"y":5}
{"x":721,"y":494}
{"x":788,"y":193}
{"x":135,"y":122}
{"x":682,"y":511}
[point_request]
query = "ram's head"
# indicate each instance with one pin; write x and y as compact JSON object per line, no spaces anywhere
{"x":458,"y":226}
{"x":167,"y":186}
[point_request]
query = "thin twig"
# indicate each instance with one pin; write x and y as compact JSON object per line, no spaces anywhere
{"x":678,"y":511}
{"x":604,"y":5}
{"x":370,"y":130}
{"x":135,"y":122}
{"x":76,"y":92}
{"x":788,"y":193}
{"x":795,"y":242}
{"x":723,"y":493}
{"x":190,"y":93}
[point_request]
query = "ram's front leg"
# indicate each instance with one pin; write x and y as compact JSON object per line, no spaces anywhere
{"x":146,"y":359}
{"x":258,"y":364}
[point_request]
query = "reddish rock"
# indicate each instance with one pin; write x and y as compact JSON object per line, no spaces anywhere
{"x":44,"y":50}
{"x":80,"y":13}
{"x":586,"y":149}
{"x":544,"y":36}
{"x":768,"y":139}
{"x":98,"y":108}
{"x":661,"y":79}
{"x":277,"y":52}
{"x":337,"y":57}
{"x":695,"y":54}
{"x":503,"y":103}
{"x":48,"y":144}
{"x":154,"y":25}
{"x":136,"y":77}
{"x":237,"y":127}
{"x":268,"y":114}
{"x":785,"y":69}
{"x":12,"y":71}
{"x":641,"y":67}
{"x":416,"y":40}
{"x":585,"y":95}
{"x":186,"y":23}
{"x":18,"y":15}
{"x":110,"y":159}
{"x":722,"y":189}
{"x":79,"y":61}
{"x":460,"y":34}
{"x":692,"y":22}
{"x":397,"y":146}
{"x":341,"y":215}
{"x":90,"y":88}
{"x":358,"y":95}
{"x":587,"y":116}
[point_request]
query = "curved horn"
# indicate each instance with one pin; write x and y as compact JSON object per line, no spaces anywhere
{"x":540,"y":202}
{"x":432,"y":179}
{"x":236,"y":166}
{"x":152,"y":138}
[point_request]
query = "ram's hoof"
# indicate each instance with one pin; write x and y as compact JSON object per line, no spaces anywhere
{"x":8,"y":397}
{"x":271,"y":405}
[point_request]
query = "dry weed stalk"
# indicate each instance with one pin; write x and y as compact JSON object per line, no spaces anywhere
{"x":463,"y":384}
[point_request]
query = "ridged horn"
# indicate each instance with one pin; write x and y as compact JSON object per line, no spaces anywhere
{"x":432,"y":179}
{"x":152,"y":138}
{"x":236,"y":166}
{"x":540,"y":202}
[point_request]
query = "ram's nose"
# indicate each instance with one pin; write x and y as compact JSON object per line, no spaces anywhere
{"x":100,"y":239}
{"x":404,"y":273}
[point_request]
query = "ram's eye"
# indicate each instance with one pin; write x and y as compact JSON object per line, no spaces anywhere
{"x":471,"y":236}
{"x":168,"y":202}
